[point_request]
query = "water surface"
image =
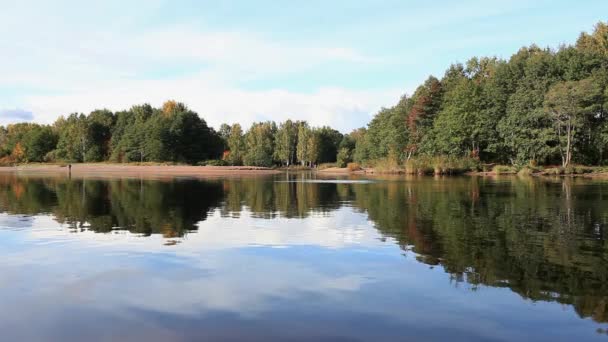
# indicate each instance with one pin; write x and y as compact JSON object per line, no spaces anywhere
{"x":299,"y":257}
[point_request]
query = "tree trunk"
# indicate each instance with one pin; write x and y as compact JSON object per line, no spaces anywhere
{"x":568,"y":144}
{"x":84,"y":149}
{"x":559,"y":140}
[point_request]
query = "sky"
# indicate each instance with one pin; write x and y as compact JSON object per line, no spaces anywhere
{"x":329,"y":62}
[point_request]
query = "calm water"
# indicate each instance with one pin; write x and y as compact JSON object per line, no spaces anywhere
{"x":301,"y":258}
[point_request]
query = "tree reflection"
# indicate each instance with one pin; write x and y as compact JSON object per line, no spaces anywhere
{"x":544,"y":239}
{"x":171,"y":208}
{"x":285,"y":197}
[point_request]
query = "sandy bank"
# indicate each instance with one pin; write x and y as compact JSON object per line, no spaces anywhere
{"x":120,"y":170}
{"x":335,"y":170}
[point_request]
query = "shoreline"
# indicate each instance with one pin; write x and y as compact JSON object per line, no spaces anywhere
{"x":127,"y":170}
{"x":160,"y":170}
{"x":371,"y":171}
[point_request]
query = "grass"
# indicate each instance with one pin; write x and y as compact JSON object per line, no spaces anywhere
{"x":426,"y":165}
{"x":529,"y":170}
{"x":386,"y":165}
{"x":324,"y":166}
{"x":574,"y":170}
{"x":504,"y":170}
{"x":440,"y":165}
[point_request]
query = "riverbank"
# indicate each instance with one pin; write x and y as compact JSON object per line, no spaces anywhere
{"x":130,"y":170}
{"x":160,"y":170}
{"x":548,"y":171}
{"x":578,"y":171}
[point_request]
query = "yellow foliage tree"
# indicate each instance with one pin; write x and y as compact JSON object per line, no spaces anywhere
{"x":18,"y":153}
{"x":169,"y":107}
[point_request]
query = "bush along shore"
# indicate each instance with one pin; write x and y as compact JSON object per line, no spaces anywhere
{"x":468,"y":166}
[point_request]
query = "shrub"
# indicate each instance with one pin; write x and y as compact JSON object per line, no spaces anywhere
{"x":353,"y":167}
{"x":487,"y":167}
{"x":326,"y":166}
{"x":7,"y":161}
{"x":213,"y":162}
{"x":525,"y":171}
{"x":50,"y":157}
{"x":555,"y":171}
{"x":440,"y":165}
{"x":387,"y":165}
{"x":344,"y":157}
{"x":579,"y":170}
{"x":503,"y":169}
{"x":420,"y":165}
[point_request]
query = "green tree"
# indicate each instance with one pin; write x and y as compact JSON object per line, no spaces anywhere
{"x":386,"y":134}
{"x":100,"y":125}
{"x":38,"y":142}
{"x":525,"y":128}
{"x":134,"y":139}
{"x":74,"y":138}
{"x":224,"y":134}
{"x":304,"y":135}
{"x":425,"y":105}
{"x":313,"y":148}
{"x":344,"y":157}
{"x":571,"y":105}
{"x":259,"y":142}
{"x":329,"y":141}
{"x":463,"y":127}
{"x":236,"y":145}
{"x":3,"y":142}
{"x":189,"y":138}
{"x":286,"y":142}
{"x":596,"y":42}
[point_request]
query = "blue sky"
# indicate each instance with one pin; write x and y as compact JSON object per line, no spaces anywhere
{"x":329,"y":62}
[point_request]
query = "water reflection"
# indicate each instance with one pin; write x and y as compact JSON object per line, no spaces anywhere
{"x":542,"y":239}
{"x":170,"y":208}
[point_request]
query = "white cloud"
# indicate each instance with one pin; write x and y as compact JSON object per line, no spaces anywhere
{"x":343,"y":228}
{"x":340,"y":108}
{"x":77,"y":68}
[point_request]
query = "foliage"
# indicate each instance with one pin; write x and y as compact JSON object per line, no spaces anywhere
{"x":302,"y":145}
{"x":571,"y":105}
{"x":286,"y":140}
{"x":440,"y":165}
{"x":353,"y":167}
{"x":518,"y":111}
{"x":344,"y":157}
{"x":260,"y":144}
{"x":324,"y":166}
{"x":503,"y":169}
{"x":236,"y":145}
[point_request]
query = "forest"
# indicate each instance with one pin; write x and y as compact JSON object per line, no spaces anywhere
{"x":542,"y":106}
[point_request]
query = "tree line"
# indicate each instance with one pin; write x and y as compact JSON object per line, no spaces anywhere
{"x":541,"y":106}
{"x":172,"y":133}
